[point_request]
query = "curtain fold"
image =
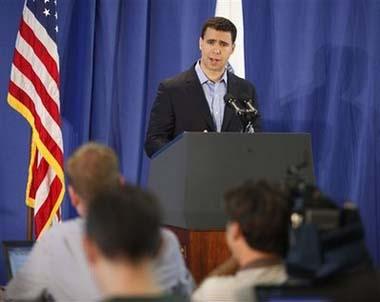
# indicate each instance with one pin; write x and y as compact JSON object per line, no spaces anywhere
{"x":315,"y":64}
{"x":316,"y":67}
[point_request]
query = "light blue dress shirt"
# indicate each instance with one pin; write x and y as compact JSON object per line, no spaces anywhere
{"x":214,"y":92}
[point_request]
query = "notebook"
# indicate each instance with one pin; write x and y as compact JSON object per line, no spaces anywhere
{"x":16,"y":253}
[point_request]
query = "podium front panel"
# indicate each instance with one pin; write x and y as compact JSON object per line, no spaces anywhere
{"x":191,"y":175}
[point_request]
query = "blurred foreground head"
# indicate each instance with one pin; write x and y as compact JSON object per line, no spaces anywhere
{"x":91,"y":169}
{"x":258,"y":215}
{"x":124,"y":224}
{"x":122,"y":237}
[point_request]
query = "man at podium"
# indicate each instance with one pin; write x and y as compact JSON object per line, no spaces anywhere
{"x":194,"y":100}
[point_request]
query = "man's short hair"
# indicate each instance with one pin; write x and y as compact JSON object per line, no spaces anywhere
{"x":91,"y":169}
{"x":262,"y":211}
{"x":125,"y":223}
{"x":220,"y":24}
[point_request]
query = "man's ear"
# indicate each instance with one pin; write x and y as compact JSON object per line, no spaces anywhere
{"x":200,"y":43}
{"x":121,"y":179}
{"x":73,"y":196}
{"x":90,"y":250}
{"x":233,"y":48}
{"x":235,"y":230}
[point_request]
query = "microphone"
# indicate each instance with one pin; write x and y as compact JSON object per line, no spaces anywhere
{"x":249,"y":103}
{"x":231,"y":101}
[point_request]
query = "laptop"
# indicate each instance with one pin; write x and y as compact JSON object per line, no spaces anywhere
{"x":15,"y":254}
{"x":278,"y":293}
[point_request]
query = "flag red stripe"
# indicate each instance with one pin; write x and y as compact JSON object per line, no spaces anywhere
{"x":44,"y":211}
{"x":48,"y":141}
{"x":33,"y":188}
{"x":40,"y":50}
{"x":23,"y":65}
{"x":38,"y":176}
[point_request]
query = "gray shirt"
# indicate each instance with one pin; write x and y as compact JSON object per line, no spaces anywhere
{"x":57,"y":264}
{"x":239,"y":287}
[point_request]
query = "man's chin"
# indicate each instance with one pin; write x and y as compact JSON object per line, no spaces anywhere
{"x":216,"y":68}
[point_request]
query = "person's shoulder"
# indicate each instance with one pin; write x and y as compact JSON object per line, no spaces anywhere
{"x":170,"y":248}
{"x":71,"y":225}
{"x":215,"y":289}
{"x":218,"y":281}
{"x":71,"y":229}
{"x":168,"y":236}
{"x":179,"y":79}
{"x":236,"y":79}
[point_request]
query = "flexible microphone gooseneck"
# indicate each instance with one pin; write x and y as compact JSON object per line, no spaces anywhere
{"x":231,"y":101}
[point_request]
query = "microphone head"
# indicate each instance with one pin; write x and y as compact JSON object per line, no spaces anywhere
{"x":228,"y":98}
{"x":246,"y":98}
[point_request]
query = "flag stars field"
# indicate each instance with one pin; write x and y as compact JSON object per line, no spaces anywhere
{"x":46,"y":12}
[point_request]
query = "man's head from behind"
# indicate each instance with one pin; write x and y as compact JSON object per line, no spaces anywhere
{"x":259,"y":216}
{"x":91,"y":169}
{"x":122,"y":229}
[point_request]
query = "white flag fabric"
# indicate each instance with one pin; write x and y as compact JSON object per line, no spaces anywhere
{"x":233,"y":10}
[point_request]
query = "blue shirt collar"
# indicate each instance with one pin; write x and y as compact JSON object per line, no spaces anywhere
{"x":202,"y":76}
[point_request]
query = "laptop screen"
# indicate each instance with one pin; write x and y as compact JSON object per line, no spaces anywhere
{"x":290,"y":294}
{"x":16,"y":253}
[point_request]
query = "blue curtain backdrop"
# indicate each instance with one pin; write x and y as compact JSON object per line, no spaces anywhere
{"x":316,"y":68}
{"x":315,"y":64}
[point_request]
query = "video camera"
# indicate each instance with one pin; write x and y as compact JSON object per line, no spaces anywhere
{"x":324,"y":239}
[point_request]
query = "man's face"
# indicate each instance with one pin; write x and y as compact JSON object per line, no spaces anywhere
{"x":216,"y":48}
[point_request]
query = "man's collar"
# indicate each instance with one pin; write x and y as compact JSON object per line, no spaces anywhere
{"x":202,"y":76}
{"x":263,"y":262}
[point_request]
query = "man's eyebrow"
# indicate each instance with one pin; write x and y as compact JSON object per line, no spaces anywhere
{"x":221,"y":41}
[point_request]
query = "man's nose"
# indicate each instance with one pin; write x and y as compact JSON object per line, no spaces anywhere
{"x":217,"y":50}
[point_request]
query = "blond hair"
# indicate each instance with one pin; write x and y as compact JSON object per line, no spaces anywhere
{"x":91,"y":169}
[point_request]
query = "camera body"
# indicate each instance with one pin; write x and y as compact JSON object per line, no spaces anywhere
{"x":324,"y":239}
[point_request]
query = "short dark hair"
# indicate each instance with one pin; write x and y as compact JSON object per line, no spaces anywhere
{"x":221,"y":24}
{"x":262,"y":211}
{"x":125,"y":223}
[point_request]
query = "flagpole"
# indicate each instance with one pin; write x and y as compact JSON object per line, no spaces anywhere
{"x":30,"y":210}
{"x":29,"y":223}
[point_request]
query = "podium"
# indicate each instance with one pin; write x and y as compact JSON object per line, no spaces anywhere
{"x":191,"y":173}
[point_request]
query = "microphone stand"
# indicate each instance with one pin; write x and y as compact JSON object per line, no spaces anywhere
{"x":251,"y":114}
{"x":246,"y":116}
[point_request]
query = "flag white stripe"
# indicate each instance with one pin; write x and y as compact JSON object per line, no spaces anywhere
{"x":41,"y":34}
{"x":39,"y":68}
{"x":43,"y":190}
{"x":47,"y":121}
{"x":233,"y":10}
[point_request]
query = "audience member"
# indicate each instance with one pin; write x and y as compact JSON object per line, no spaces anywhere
{"x":122,"y":238}
{"x":257,"y":235}
{"x":57,"y":263}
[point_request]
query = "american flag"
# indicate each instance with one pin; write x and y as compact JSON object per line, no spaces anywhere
{"x":34,"y":93}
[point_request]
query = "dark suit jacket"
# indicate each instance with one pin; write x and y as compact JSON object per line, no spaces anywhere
{"x":181,"y":105}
